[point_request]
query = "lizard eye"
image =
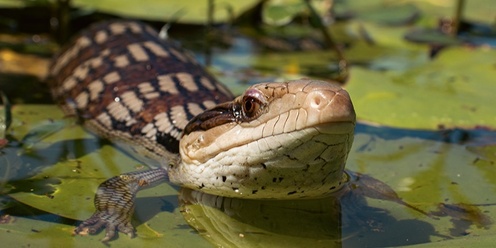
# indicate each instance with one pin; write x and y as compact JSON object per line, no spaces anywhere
{"x":251,"y":106}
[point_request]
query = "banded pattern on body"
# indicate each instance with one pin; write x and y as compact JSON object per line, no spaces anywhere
{"x":144,"y":90}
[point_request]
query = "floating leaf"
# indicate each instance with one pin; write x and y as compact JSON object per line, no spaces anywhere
{"x":192,"y":11}
{"x":454,"y":90}
{"x":430,"y":11}
{"x":280,"y":13}
{"x":391,"y":14}
{"x":425,"y":173}
{"x":432,"y":36}
{"x":35,"y":232}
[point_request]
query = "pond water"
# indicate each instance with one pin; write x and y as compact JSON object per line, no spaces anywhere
{"x":420,"y":186}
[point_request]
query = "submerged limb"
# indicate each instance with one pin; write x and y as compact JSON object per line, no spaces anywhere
{"x":114,"y":202}
{"x":373,"y":188}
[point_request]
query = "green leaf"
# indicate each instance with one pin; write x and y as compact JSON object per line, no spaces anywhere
{"x":282,"y":12}
{"x":26,"y":232}
{"x":279,"y":13}
{"x":392,"y":14}
{"x":425,"y":173}
{"x":430,"y":11}
{"x":454,"y":90}
{"x":191,"y":11}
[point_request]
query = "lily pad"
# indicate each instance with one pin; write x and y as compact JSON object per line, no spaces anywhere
{"x":187,"y":11}
{"x":167,"y":229}
{"x":391,"y":14}
{"x":454,"y":90}
{"x":425,"y":173}
{"x":282,"y":12}
{"x":480,"y":11}
{"x":430,"y":11}
{"x":486,"y":240}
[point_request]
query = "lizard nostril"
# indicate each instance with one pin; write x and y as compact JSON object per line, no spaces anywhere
{"x":318,"y":101}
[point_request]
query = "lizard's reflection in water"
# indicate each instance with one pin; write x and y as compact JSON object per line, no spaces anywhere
{"x":342,"y":220}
